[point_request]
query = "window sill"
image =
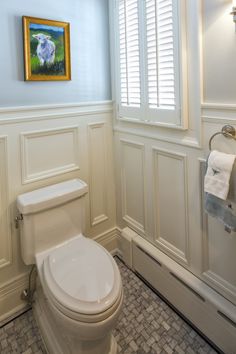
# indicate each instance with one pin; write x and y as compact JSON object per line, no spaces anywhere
{"x":152,"y":124}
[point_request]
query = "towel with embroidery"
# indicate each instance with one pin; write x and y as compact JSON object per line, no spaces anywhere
{"x":218,"y":174}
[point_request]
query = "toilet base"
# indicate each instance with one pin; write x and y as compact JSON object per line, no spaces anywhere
{"x":54,"y":340}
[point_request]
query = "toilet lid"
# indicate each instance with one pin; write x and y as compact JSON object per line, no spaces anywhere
{"x":82,"y":276}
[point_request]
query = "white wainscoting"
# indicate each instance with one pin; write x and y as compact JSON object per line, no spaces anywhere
{"x":133,"y":184}
{"x":163,"y":179}
{"x":219,"y":261}
{"x":163,"y":173}
{"x":218,"y":246}
{"x":44,"y":145}
{"x":5,"y":236}
{"x":170,"y":200}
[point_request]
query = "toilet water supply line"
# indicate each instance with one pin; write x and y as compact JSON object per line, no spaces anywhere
{"x":28,"y":294}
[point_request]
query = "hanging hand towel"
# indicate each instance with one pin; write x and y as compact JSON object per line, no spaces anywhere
{"x":218,"y":174}
{"x":221,"y":210}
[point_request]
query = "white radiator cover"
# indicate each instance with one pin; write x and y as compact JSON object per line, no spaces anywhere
{"x":210,"y":312}
{"x":125,"y":246}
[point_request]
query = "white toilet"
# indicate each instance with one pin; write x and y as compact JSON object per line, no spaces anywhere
{"x":79,"y":291}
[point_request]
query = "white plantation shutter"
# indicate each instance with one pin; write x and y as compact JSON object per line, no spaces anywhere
{"x":130,"y":95}
{"x":160,"y":54}
{"x":149,"y":60}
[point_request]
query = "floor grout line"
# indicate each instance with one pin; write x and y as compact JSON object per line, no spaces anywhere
{"x":147,"y":324}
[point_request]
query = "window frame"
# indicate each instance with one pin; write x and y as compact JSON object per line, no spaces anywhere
{"x":145,"y":114}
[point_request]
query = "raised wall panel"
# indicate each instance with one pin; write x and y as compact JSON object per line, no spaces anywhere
{"x":98,"y":173}
{"x":5,"y":236}
{"x":48,"y":153}
{"x":132,"y":184}
{"x":170,"y":204}
{"x":219,"y":261}
{"x":10,"y":296}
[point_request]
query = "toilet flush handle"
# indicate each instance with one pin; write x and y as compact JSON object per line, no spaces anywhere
{"x":18,"y":218}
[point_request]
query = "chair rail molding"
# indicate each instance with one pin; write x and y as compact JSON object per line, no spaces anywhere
{"x":12,"y":115}
{"x":219,"y":113}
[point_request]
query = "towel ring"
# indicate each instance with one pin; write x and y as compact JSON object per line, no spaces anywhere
{"x":227,"y":131}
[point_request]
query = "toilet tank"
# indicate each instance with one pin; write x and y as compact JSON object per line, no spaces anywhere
{"x":50,"y":216}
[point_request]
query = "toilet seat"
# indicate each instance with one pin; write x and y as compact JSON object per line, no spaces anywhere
{"x":82,"y":280}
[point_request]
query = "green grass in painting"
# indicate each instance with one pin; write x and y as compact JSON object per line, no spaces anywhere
{"x":58,"y":67}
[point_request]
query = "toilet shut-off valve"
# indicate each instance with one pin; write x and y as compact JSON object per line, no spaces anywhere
{"x":18,"y":218}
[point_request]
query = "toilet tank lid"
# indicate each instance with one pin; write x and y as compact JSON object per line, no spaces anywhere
{"x":51,"y":196}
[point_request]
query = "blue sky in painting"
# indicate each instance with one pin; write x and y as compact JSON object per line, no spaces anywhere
{"x":37,"y":26}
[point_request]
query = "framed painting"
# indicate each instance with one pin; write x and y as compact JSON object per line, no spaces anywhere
{"x":46,"y":49}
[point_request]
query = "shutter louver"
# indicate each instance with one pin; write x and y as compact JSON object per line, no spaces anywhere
{"x":160,"y":54}
{"x":129,"y":53}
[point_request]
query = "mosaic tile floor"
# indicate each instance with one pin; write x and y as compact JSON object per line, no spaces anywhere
{"x":146,"y":325}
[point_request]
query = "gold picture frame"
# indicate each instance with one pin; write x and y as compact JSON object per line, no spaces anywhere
{"x":46,"y":49}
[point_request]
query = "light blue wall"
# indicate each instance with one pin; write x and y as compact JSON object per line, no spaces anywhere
{"x":89,"y":52}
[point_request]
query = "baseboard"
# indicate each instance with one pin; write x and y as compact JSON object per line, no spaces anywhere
{"x":109,"y":240}
{"x":10,"y":297}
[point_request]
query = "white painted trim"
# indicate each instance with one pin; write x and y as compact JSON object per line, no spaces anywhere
{"x":53,"y":106}
{"x":10,"y":286}
{"x":170,"y":249}
{"x":153,"y":123}
{"x":109,"y":240}
{"x":188,"y":141}
{"x":29,"y":178}
{"x":13,"y":115}
{"x":219,"y":113}
{"x":218,"y":120}
{"x":95,"y":220}
{"x":5,"y":237}
{"x":99,"y":219}
{"x":10,"y":293}
{"x":215,"y":281}
{"x":219,"y":106}
{"x":130,"y":221}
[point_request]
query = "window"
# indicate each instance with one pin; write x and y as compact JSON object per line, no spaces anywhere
{"x":150,"y":57}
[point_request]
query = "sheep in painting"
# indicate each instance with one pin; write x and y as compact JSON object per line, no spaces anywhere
{"x":45,"y":49}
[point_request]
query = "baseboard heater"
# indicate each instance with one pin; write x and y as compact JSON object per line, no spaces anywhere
{"x":208,"y":311}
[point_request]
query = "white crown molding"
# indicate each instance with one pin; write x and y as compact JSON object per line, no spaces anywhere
{"x":12,"y":115}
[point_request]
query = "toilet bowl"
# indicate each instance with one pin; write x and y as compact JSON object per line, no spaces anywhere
{"x":79,"y":291}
